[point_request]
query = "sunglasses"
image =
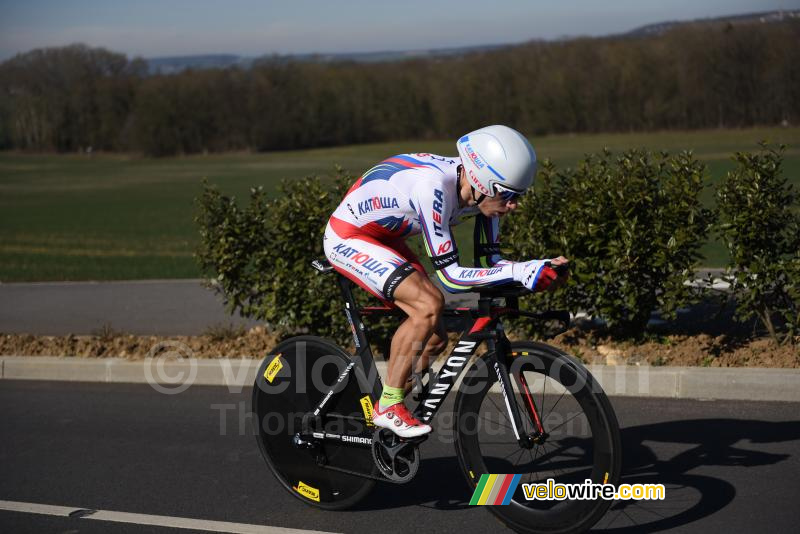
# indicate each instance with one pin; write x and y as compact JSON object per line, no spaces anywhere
{"x":507,"y":194}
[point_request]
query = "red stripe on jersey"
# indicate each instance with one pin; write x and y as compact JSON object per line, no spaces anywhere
{"x":346,"y":230}
{"x":403,"y":163}
{"x":355,"y":186}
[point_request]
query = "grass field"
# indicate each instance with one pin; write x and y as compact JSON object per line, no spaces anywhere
{"x":105,"y":217}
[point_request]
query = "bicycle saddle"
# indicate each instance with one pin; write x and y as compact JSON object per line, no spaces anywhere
{"x":322,"y":265}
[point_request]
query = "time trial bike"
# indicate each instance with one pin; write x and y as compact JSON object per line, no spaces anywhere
{"x":522,"y":408}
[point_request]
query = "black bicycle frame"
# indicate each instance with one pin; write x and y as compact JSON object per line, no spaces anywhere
{"x":485,"y":326}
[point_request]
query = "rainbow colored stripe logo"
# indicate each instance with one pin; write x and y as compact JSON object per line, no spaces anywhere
{"x":495,"y":489}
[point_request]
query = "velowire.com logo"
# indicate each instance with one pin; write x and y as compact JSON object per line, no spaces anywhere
{"x":495,"y":489}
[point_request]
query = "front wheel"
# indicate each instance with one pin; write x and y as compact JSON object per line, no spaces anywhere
{"x":573,"y":429}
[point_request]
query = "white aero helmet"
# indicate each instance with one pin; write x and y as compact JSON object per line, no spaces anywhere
{"x":497,"y":156}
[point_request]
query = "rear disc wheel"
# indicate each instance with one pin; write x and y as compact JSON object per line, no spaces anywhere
{"x":290,"y":383}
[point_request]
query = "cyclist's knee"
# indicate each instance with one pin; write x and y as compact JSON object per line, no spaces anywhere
{"x":434,"y":303}
{"x":428,"y":309}
{"x":421,"y":300}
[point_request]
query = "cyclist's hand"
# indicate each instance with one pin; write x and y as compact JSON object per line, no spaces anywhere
{"x":534,"y":275}
{"x":541,"y":275}
{"x":561,"y":267}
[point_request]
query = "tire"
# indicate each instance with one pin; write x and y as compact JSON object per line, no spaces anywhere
{"x":583,"y":444}
{"x":285,"y":389}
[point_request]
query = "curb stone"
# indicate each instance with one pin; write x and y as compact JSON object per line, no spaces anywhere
{"x":757,"y":384}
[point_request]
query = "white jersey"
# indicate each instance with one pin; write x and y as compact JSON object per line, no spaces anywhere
{"x":407,"y":195}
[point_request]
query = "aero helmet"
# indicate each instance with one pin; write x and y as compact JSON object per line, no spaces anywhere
{"x":497,"y":155}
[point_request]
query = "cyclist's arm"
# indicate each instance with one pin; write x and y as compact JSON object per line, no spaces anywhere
{"x":486,"y":240}
{"x":434,"y":206}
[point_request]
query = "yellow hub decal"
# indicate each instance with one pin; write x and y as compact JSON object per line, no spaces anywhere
{"x":272,"y":369}
{"x":307,"y":491}
{"x":366,"y":405}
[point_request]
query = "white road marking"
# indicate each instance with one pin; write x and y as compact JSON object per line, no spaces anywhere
{"x":33,"y":508}
{"x":150,"y":520}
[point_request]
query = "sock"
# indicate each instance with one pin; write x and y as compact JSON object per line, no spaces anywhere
{"x":390,"y":397}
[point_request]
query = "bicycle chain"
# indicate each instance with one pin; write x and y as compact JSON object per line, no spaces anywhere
{"x":320,"y":461}
{"x":362,"y":475}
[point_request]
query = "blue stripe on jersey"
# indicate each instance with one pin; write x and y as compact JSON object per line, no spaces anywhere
{"x":382,"y":171}
{"x":417,"y":162}
{"x":387,"y":168}
{"x":425,"y":234}
{"x":395,"y":224}
{"x":396,"y":263}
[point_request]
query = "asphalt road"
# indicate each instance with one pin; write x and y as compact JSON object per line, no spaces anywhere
{"x":727,"y":466}
{"x":147,"y":307}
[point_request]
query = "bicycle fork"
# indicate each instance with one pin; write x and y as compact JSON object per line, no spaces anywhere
{"x":499,"y":364}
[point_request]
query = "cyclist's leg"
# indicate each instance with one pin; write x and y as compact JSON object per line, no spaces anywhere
{"x":434,"y":347}
{"x":423,"y":303}
{"x":390,"y":276}
{"x":437,"y":342}
{"x":392,"y":272}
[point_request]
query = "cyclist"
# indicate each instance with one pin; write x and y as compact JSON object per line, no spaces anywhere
{"x":410,"y":194}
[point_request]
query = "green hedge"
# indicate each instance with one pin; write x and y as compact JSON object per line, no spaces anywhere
{"x":632,"y":224}
{"x":759,"y":221}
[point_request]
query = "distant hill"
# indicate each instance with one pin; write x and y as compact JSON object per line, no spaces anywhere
{"x":171,"y":65}
{"x":749,"y":18}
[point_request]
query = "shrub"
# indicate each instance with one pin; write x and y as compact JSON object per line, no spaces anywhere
{"x":632,"y":227}
{"x":260,"y":255}
{"x":760,"y":225}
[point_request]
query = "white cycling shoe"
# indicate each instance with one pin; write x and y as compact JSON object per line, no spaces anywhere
{"x":398,"y":419}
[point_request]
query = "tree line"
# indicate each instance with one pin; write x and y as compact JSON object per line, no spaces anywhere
{"x":696,"y":76}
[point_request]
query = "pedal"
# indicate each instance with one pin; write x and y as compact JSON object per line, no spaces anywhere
{"x":301,"y":443}
{"x":417,"y":440}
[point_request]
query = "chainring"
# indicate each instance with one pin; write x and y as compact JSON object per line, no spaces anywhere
{"x":397,"y":459}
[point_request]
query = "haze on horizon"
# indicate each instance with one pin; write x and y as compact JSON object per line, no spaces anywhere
{"x":157,"y":28}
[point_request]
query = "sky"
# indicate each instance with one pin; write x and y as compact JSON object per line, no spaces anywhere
{"x":153,"y":28}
